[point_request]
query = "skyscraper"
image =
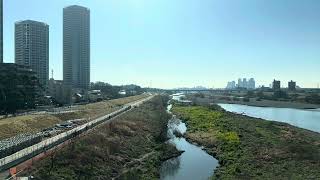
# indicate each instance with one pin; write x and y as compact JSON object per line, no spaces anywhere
{"x":76,"y":47}
{"x":276,"y":85}
{"x":292,"y":85}
{"x":240,"y":84}
{"x":251,"y":84}
{"x":245,"y":83}
{"x":32,"y":47}
{"x":1,"y":31}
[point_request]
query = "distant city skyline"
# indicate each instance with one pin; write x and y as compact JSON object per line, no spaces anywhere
{"x":242,"y":83}
{"x":168,"y":44}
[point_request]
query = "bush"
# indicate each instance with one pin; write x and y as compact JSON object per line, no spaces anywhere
{"x":246,"y":100}
{"x":235,"y":99}
{"x":280,"y":94}
{"x":313,"y":99}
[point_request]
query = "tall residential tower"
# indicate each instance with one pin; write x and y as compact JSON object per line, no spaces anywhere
{"x":32,"y":48}
{"x":1,"y":31}
{"x":76,"y":47}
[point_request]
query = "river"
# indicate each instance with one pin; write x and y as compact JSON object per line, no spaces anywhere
{"x":307,"y":119}
{"x":193,"y":164}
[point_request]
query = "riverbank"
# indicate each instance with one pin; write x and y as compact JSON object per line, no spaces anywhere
{"x":34,"y":123}
{"x":261,"y":103}
{"x":130,"y":147}
{"x":250,"y":148}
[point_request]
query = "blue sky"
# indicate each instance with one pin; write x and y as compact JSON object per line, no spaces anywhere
{"x":186,"y":43}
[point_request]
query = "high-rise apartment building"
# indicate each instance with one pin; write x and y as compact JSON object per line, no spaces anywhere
{"x":240,"y":84}
{"x":1,"y":31}
{"x":76,"y":47}
{"x":32,"y":48}
{"x":276,"y":85}
{"x":244,"y":83}
{"x":251,"y":84}
{"x":292,"y":85}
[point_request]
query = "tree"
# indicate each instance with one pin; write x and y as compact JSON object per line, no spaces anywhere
{"x":260,"y":94}
{"x":250,"y":94}
{"x":313,"y":98}
{"x":18,"y":91}
{"x":280,"y":94}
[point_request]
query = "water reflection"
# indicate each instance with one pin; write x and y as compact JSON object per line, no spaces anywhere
{"x":193,"y":164}
{"x":307,"y":119}
{"x":171,"y":167}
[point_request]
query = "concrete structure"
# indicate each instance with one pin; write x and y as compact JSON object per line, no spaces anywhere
{"x":32,"y":48}
{"x":292,"y":85}
{"x":1,"y":31}
{"x":56,"y":90}
{"x":76,"y":48}
{"x":276,"y":85}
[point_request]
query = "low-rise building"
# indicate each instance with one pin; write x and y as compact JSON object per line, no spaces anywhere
{"x":56,"y":90}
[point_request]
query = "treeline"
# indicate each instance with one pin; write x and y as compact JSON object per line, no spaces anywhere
{"x":18,"y":92}
{"x":111,"y":92}
{"x":312,"y":98}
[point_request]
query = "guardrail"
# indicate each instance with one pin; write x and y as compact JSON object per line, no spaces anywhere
{"x":29,"y":152}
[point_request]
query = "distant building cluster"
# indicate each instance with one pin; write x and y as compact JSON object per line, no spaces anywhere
{"x":32,"y":51}
{"x":276,"y":85}
{"x":242,"y":83}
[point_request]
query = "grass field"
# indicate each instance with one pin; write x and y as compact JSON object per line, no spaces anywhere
{"x":250,"y":148}
{"x":34,"y":123}
{"x":131,"y":147}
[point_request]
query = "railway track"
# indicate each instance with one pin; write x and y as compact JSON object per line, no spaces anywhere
{"x":47,"y":144}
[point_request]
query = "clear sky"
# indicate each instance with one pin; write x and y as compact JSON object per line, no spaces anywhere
{"x":186,"y":43}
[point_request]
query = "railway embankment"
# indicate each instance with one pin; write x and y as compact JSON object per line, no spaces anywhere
{"x":130,"y":147}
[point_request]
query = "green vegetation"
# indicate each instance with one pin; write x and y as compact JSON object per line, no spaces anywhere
{"x":130,"y":147}
{"x":18,"y":92}
{"x":313,"y":98}
{"x":250,"y":148}
{"x":111,"y":92}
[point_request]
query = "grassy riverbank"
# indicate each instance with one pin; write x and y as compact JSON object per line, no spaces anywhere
{"x":131,"y":147}
{"x":250,"y":148}
{"x":253,"y":102}
{"x":34,"y":123}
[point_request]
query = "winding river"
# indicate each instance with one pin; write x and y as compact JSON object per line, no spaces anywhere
{"x":307,"y":119}
{"x":193,"y":164}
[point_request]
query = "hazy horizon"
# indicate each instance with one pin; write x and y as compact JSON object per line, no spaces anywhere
{"x":186,"y":43}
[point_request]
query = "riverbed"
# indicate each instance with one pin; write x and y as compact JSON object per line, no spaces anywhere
{"x":193,"y":164}
{"x":307,"y":119}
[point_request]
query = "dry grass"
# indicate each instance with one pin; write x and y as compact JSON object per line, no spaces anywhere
{"x":33,"y":123}
{"x":128,"y":148}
